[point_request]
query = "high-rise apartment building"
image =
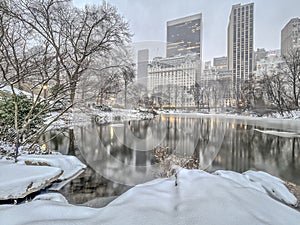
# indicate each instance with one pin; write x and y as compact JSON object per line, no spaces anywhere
{"x":240,"y":44}
{"x":290,"y":36}
{"x":184,"y":36}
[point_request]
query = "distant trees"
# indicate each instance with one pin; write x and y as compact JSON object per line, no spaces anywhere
{"x":282,"y":86}
{"x":275,"y":88}
{"x":292,"y":71}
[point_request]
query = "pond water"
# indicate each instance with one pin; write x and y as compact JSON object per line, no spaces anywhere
{"x":122,"y":155}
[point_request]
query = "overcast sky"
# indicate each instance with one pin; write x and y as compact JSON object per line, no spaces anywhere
{"x":147,"y":19}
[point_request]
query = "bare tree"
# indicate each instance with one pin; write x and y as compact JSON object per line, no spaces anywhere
{"x":275,"y":87}
{"x":75,"y":34}
{"x":292,"y":71}
{"x":248,"y":94}
{"x":26,"y":64}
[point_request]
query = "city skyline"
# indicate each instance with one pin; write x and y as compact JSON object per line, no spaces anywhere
{"x":148,"y":19}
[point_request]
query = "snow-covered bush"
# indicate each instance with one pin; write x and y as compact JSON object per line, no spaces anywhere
{"x":19,"y":112}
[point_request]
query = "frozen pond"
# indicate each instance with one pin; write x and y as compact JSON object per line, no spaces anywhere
{"x":122,"y":155}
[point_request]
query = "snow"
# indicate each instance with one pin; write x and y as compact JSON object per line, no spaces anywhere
{"x":69,"y":164}
{"x":121,"y":115}
{"x":240,"y":179}
{"x":199,"y":198}
{"x":262,"y":182}
{"x":18,"y":180}
{"x":51,"y":197}
{"x":80,"y":117}
{"x":274,"y":186}
{"x":34,"y":172}
{"x":279,"y":133}
{"x":17,"y":91}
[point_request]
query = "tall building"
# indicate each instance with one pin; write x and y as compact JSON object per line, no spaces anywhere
{"x":171,"y":79}
{"x":290,"y":36}
{"x":240,"y":44}
{"x":142,"y":66}
{"x":220,"y":63}
{"x":184,"y":36}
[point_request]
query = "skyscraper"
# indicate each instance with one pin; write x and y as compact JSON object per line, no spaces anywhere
{"x":290,"y":36}
{"x":240,"y":44}
{"x":184,"y":35}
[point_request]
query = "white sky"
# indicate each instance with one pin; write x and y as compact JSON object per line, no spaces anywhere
{"x":147,"y":19}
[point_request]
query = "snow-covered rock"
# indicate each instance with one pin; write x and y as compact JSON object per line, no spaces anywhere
{"x":240,"y":179}
{"x":70,"y":165}
{"x":199,"y":198}
{"x":57,"y":197}
{"x":263,"y":182}
{"x":273,"y":185}
{"x":18,"y":180}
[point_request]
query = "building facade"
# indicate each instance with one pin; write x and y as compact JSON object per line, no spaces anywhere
{"x":290,"y":36}
{"x":170,"y":80}
{"x":240,"y":45}
{"x":184,"y":36}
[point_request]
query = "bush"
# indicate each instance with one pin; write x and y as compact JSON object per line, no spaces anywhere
{"x":7,"y":115}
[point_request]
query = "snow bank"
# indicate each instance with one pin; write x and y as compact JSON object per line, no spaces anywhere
{"x":199,"y":198}
{"x":279,"y":133}
{"x":121,"y":115}
{"x":51,"y":197}
{"x":240,"y":179}
{"x":262,"y":182}
{"x":81,"y":117}
{"x":17,"y":180}
{"x":34,"y":172}
{"x":274,"y":186}
{"x":70,"y":165}
{"x":17,"y":91}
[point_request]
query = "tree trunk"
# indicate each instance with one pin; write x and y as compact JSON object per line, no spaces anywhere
{"x":71,"y":142}
{"x":125,"y":103}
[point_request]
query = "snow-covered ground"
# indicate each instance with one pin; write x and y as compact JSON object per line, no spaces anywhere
{"x":69,"y":164}
{"x":18,"y":181}
{"x":279,"y":133}
{"x":198,"y":198}
{"x":34,"y":172}
{"x":81,"y":117}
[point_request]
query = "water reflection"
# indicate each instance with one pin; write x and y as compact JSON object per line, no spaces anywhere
{"x":119,"y":155}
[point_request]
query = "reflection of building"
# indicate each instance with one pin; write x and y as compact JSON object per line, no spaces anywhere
{"x":290,"y":36}
{"x":184,"y":36}
{"x":170,"y":80}
{"x":142,"y":66}
{"x":240,"y":44}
